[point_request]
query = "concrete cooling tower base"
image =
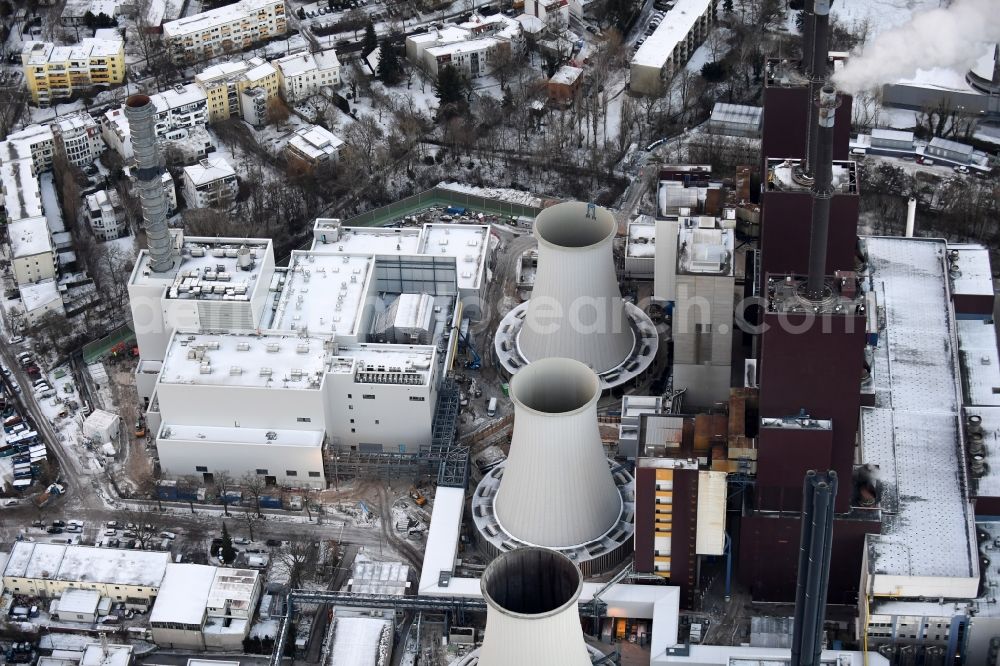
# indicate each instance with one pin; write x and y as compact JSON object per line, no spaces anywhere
{"x":646,"y":341}
{"x":593,"y":557}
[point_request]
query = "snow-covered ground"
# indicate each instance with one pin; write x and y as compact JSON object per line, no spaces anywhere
{"x":881,"y":15}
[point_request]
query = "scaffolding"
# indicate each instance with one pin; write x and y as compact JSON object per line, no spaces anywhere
{"x":444,"y":457}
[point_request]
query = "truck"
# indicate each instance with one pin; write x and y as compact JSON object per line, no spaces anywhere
{"x":491,"y":408}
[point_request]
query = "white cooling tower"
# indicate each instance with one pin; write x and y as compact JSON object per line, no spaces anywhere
{"x":557,"y":490}
{"x":576,"y":309}
{"x":532,"y":617}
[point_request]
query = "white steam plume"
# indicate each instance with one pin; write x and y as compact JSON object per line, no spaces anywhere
{"x":952,"y":37}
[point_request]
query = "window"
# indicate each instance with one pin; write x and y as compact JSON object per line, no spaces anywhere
{"x":262,"y":471}
{"x":304,"y":419}
{"x":376,"y":421}
{"x":314,"y":475}
{"x":417,"y":398}
{"x":353,"y":430}
{"x":291,"y":472}
{"x":352,"y":420}
{"x":198,"y":468}
{"x":368,"y":396}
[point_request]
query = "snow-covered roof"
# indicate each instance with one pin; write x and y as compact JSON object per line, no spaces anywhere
{"x":911,"y":436}
{"x":75,"y":122}
{"x":208,"y":171}
{"x":531,"y":24}
{"x":178,"y":96}
{"x":468,"y":243}
{"x":223,"y":70}
{"x":86,"y":564}
{"x":101,"y":419}
{"x":316,"y":142}
{"x":22,"y":195}
{"x":39,"y":294}
{"x":79,"y":601}
{"x":566,"y":75}
{"x":892,"y":135}
{"x":233,"y":590}
{"x":29,"y":236}
{"x":973,"y":276}
{"x":324,"y":293}
{"x":977,"y":352}
{"x":260,"y":72}
{"x":951,"y":146}
{"x":498,"y":193}
{"x":470,"y":46}
{"x":216,"y":17}
{"x":356,"y":641}
{"x":97,"y":654}
{"x":641,"y":238}
{"x":736,"y":114}
{"x":249,"y":436}
{"x":302,"y":63}
{"x":39,"y":53}
{"x":199,"y":276}
{"x":704,"y":249}
{"x":371,"y":577}
{"x":372,"y":240}
{"x":183,"y":595}
{"x":676,"y":25}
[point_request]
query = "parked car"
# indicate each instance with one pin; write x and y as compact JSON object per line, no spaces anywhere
{"x":58,"y":523}
{"x":54,"y":530}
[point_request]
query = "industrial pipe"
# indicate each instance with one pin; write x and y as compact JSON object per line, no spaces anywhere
{"x":822,"y":192}
{"x":817,"y":76}
{"x":911,"y":217}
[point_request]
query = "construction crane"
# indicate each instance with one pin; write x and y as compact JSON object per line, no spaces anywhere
{"x":477,"y":361}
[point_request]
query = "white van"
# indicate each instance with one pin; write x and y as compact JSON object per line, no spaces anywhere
{"x":491,"y":408}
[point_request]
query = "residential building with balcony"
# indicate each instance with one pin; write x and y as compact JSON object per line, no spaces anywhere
{"x":209,"y":184}
{"x":105,"y":215}
{"x":55,"y":72}
{"x":79,"y":138}
{"x":228,"y":29}
{"x":302,"y":75}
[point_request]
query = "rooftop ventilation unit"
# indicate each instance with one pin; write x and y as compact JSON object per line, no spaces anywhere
{"x":557,"y":490}
{"x":531,"y":617}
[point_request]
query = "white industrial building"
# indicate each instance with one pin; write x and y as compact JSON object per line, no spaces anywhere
{"x":204,"y":607}
{"x":640,"y":248}
{"x":76,"y":605}
{"x":102,"y":426}
{"x":48,"y":569}
{"x":105,"y":215}
{"x":211,"y":183}
{"x":304,"y":74}
{"x":288,"y":357}
{"x":683,"y":29}
{"x":695,"y":271}
{"x":79,"y":138}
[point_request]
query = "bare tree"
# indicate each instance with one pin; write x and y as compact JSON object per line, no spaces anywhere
{"x":143,"y":522}
{"x":296,"y":561}
{"x":254,"y":485}
{"x":223,"y":482}
{"x":250,"y":520}
{"x":189,"y":485}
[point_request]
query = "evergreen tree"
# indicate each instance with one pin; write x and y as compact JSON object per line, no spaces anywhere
{"x":450,"y":90}
{"x":390,"y":69}
{"x":370,"y":41}
{"x":226,"y":551}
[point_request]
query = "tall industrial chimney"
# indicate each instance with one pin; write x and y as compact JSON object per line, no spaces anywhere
{"x":140,"y":112}
{"x":911,"y":217}
{"x":557,"y":489}
{"x":817,"y":76}
{"x":814,"y":567}
{"x":822,"y":191}
{"x":532,"y":618}
{"x":576,"y":309}
{"x":807,"y":37}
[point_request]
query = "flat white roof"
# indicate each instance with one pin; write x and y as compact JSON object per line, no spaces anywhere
{"x":977,"y":352}
{"x":707,"y":251}
{"x":566,"y":75}
{"x":301,"y":63}
{"x":106,"y":655}
{"x":974,"y":276}
{"x":470,"y":46}
{"x":675,"y":27}
{"x":216,"y":17}
{"x":233,"y":589}
{"x":75,"y":122}
{"x":911,"y":435}
{"x":356,"y":641}
{"x":232,"y":435}
{"x":372,"y":240}
{"x":210,"y":269}
{"x":468,"y":243}
{"x":316,"y":142}
{"x":79,"y":601}
{"x":39,"y":294}
{"x":86,"y":564}
{"x":29,"y":237}
{"x":183,"y":596}
{"x":178,"y":96}
{"x":324,"y":293}
{"x":208,"y":171}
{"x":371,"y":577}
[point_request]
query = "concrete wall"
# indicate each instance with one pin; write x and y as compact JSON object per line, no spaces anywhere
{"x":181,"y":457}
{"x":249,"y":406}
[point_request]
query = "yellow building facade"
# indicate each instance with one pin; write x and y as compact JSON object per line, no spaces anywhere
{"x":53,"y":73}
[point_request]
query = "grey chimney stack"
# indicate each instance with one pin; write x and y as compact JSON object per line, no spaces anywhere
{"x":822,"y":192}
{"x":140,"y":112}
{"x":817,"y":75}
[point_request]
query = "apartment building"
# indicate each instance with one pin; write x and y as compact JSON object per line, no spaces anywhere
{"x":229,"y":29}
{"x":225,"y":83}
{"x":469,"y":46}
{"x":35,"y":143}
{"x":32,"y":255}
{"x":105,"y":215}
{"x":548,"y":10}
{"x":303,"y":74}
{"x":79,"y":138}
{"x":56,"y":72}
{"x":180,"y":107}
{"x":684,"y":28}
{"x":209,"y":184}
